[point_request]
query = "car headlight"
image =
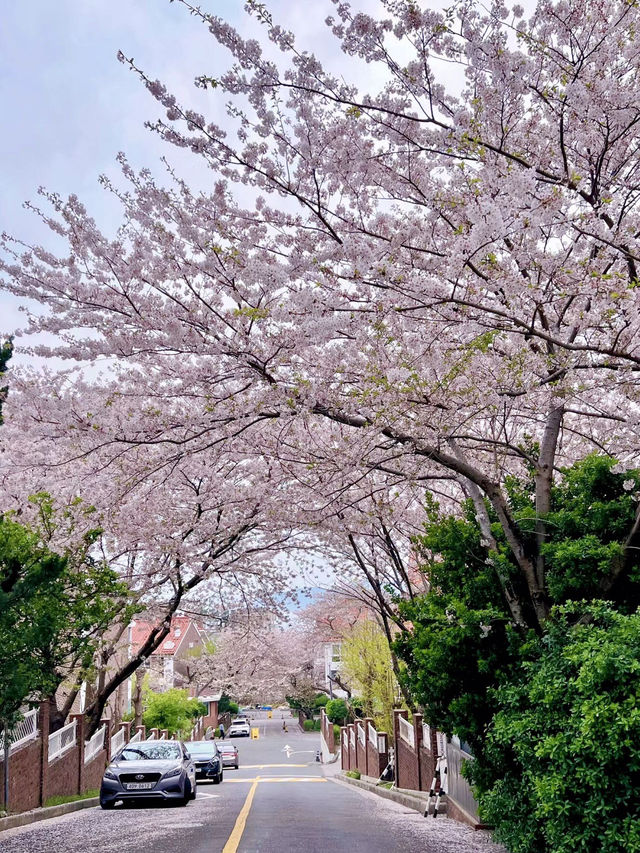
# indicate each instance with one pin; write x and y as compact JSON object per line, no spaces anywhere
{"x":109,"y":774}
{"x":170,"y":773}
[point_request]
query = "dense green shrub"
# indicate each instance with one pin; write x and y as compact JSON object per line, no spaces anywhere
{"x":174,"y":710}
{"x":226,"y":704}
{"x":565,"y":742}
{"x":337,"y":711}
{"x":552,"y":716}
{"x":308,"y":725}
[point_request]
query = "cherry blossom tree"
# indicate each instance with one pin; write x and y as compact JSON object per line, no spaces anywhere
{"x":428,"y":282}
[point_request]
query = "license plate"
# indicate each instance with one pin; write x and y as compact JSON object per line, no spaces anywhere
{"x":139,"y":786}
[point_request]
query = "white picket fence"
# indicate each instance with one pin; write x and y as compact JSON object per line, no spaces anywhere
{"x":23,"y":732}
{"x":136,"y":738}
{"x":94,"y":745}
{"x":151,"y":736}
{"x":117,"y":741}
{"x":62,"y":740}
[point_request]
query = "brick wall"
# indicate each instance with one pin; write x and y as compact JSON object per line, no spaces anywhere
{"x":24,"y":781}
{"x":353,"y":761}
{"x":362,"y":727}
{"x":377,"y":761}
{"x":408,"y":768}
{"x":94,"y":770}
{"x":33,"y":779}
{"x":344,"y":748}
{"x":327,"y":731}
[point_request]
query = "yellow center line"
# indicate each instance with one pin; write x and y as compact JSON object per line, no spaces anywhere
{"x":234,"y":839}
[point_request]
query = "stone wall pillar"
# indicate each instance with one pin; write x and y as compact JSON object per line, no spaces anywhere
{"x":43,"y":719}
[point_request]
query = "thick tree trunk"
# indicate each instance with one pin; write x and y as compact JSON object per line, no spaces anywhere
{"x":136,"y":698}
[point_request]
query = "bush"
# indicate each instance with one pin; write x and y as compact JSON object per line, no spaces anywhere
{"x":336,"y":733}
{"x":226,"y":704}
{"x":565,"y":740}
{"x":317,"y":725}
{"x":353,"y":774}
{"x":308,"y":725}
{"x":337,"y":711}
{"x":174,"y":710}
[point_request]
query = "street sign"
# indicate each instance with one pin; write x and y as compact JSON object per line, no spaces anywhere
{"x":255,"y":733}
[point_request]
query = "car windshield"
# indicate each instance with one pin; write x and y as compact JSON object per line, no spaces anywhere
{"x":226,"y":747}
{"x":203,"y":747}
{"x":239,"y":723}
{"x":154,"y":751}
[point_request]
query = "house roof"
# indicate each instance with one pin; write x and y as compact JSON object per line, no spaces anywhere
{"x":141,"y":628}
{"x":212,"y":697}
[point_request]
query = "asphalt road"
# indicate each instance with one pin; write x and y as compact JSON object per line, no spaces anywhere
{"x":279,"y":801}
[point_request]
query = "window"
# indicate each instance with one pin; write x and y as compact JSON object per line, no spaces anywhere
{"x":336,"y":649}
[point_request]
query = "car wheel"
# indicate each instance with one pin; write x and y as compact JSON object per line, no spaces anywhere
{"x":236,"y":766}
{"x":194,"y":793}
{"x":107,"y":805}
{"x":217,"y":779}
{"x":186,"y":795}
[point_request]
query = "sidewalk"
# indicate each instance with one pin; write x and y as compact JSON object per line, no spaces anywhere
{"x":33,"y":816}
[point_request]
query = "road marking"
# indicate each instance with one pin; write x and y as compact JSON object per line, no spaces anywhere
{"x":262,"y":766}
{"x":277,"y":779}
{"x":201,"y":795}
{"x":234,"y":839}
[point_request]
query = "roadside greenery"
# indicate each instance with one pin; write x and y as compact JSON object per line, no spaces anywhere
{"x":173,"y":710}
{"x":71,"y":798}
{"x":226,"y":704}
{"x":337,"y":710}
{"x":31,"y":615}
{"x":367,"y":665}
{"x":552,"y":716}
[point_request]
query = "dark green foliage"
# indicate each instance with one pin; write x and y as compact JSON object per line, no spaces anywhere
{"x":30,"y":616}
{"x":6,"y":351}
{"x":565,"y":740}
{"x":226,"y":704}
{"x":337,"y":711}
{"x":54,"y":610}
{"x":555,"y":705}
{"x":308,"y":725}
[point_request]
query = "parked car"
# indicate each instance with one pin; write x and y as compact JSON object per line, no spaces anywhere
{"x":149,"y":770}
{"x":229,"y":754}
{"x":240,"y":728}
{"x":207,"y":759}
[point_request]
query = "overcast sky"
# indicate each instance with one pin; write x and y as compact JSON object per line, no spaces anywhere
{"x":69,"y":106}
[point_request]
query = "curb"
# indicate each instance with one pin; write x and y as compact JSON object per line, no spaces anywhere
{"x":409,"y":799}
{"x":25,"y":818}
